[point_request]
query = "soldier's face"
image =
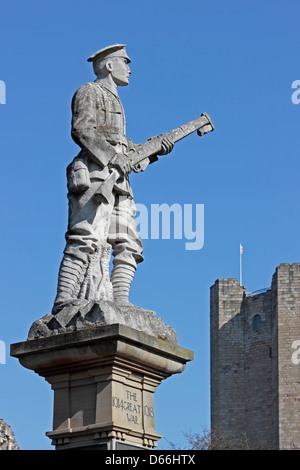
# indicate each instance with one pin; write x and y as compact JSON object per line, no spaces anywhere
{"x":120,"y":71}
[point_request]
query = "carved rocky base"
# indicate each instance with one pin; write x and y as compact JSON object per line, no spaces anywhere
{"x":104,"y":379}
{"x":83,"y":314}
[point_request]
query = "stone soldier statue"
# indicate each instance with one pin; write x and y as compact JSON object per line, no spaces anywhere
{"x":99,"y":223}
{"x":102,"y":210}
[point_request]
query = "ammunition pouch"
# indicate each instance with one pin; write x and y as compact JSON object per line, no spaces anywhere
{"x":78,"y":178}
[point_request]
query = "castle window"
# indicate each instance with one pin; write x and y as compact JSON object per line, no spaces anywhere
{"x":256,"y":323}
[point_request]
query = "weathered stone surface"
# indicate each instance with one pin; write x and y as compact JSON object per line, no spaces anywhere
{"x":102,"y":211}
{"x":101,"y":218}
{"x":255,"y":385}
{"x":104,"y":379}
{"x":75,"y":317}
{"x":7,"y":440}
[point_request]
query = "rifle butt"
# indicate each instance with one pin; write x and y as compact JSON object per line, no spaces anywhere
{"x":105,"y":189}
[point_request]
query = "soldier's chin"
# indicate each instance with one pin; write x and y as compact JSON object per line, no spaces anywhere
{"x":123,"y":82}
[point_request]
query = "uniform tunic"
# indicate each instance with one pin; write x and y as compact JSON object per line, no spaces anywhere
{"x":99,"y":128}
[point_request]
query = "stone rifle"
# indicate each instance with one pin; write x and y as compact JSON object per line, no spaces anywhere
{"x":152,"y":147}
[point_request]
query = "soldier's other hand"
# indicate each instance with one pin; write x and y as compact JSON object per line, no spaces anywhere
{"x":122,"y":163}
{"x":166,"y":146}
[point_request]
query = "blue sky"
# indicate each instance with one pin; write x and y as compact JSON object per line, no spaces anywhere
{"x":234,"y":60}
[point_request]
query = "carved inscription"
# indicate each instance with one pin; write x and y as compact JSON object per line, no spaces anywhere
{"x":130,"y":406}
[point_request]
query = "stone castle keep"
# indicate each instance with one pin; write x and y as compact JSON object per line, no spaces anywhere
{"x":255,"y":386}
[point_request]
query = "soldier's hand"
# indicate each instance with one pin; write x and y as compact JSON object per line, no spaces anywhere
{"x":122,"y":163}
{"x":166,"y":146}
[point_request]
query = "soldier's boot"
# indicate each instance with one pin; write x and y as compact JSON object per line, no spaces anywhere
{"x":121,"y":279}
{"x":70,"y":272}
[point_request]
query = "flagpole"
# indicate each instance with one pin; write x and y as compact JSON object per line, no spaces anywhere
{"x":241,"y":251}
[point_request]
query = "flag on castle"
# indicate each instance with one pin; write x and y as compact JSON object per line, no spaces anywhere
{"x":241,"y":252}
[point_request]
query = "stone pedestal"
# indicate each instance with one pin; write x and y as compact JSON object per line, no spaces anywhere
{"x":103,"y":379}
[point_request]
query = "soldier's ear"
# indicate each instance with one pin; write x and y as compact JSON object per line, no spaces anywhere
{"x":109,"y":66}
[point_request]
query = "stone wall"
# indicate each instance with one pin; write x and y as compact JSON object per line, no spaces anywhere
{"x":286,"y":286}
{"x":255,"y":386}
{"x":227,"y":357}
{"x":256,"y":313}
{"x":7,"y":440}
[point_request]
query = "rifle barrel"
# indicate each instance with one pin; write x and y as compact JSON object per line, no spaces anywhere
{"x":153,"y":145}
{"x":182,"y":131}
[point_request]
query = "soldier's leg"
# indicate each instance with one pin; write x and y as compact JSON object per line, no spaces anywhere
{"x":69,"y":274}
{"x":88,"y":226}
{"x":121,"y":279}
{"x":127,"y":247}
